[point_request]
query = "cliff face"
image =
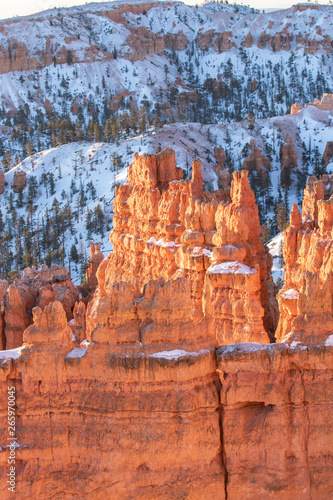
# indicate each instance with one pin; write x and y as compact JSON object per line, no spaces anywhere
{"x":253,"y":422}
{"x":306,"y":299}
{"x":139,"y":403}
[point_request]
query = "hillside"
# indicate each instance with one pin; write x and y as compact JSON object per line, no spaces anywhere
{"x":84,"y":88}
{"x":69,"y":182}
{"x":108,"y":70}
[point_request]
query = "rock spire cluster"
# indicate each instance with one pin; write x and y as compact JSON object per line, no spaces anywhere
{"x":305,"y":301}
{"x":130,"y":397}
{"x":187,"y":265}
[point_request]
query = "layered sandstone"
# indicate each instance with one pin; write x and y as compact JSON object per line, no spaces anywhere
{"x":328,"y":153}
{"x":2,"y":182}
{"x":223,"y":175}
{"x":143,"y":43}
{"x":138,"y":403}
{"x":306,"y":298}
{"x":325,"y":104}
{"x":115,"y":422}
{"x":277,"y":432}
{"x":182,"y":257}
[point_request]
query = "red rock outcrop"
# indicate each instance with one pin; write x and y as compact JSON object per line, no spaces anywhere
{"x":306,"y":297}
{"x":280,"y":397}
{"x":312,"y":45}
{"x":20,"y":181}
{"x":115,"y":101}
{"x":48,"y":106}
{"x":142,"y":43}
{"x":175,"y":41}
{"x":253,"y":422}
{"x":146,"y":407}
{"x":328,"y":153}
{"x":257,"y":161}
{"x":288,"y":161}
{"x":223,"y":175}
{"x":204,"y":40}
{"x":295,"y":108}
{"x":219,"y":154}
{"x":2,"y":182}
{"x":223,"y":42}
{"x":326,"y":104}
{"x":249,"y":41}
{"x":78,"y":323}
{"x":279,"y":41}
{"x":35,"y":288}
{"x":95,"y":259}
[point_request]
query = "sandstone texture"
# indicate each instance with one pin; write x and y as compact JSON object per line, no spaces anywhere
{"x":223,"y":175}
{"x":306,"y":298}
{"x":95,"y":259}
{"x":182,"y":257}
{"x":34,"y":288}
{"x":326,"y":104}
{"x":288,"y":161}
{"x":166,"y":386}
{"x":252,"y":422}
{"x":2,"y":182}
{"x":328,"y":153}
{"x":257,"y":161}
{"x":20,"y":181}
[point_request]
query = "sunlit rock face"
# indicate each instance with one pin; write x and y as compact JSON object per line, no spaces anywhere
{"x":187,"y":265}
{"x":166,"y":386}
{"x":306,"y":299}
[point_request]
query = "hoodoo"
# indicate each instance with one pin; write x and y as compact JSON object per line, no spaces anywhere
{"x":187,"y":265}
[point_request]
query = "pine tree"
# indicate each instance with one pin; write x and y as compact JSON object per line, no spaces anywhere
{"x":281,"y":216}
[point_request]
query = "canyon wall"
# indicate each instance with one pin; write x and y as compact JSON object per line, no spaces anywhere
{"x":139,"y":403}
{"x":121,"y":422}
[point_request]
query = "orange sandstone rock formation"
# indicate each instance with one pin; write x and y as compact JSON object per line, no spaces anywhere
{"x":257,"y":161}
{"x":306,"y":299}
{"x":95,"y":259}
{"x":187,"y":265}
{"x":35,"y":288}
{"x":20,"y":181}
{"x":288,"y":161}
{"x":326,"y":104}
{"x":145,"y":407}
{"x":117,"y":422}
{"x":328,"y":153}
{"x":2,"y":182}
{"x":223,"y":175}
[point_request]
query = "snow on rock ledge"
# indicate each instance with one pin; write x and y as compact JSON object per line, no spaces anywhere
{"x":231,"y":268}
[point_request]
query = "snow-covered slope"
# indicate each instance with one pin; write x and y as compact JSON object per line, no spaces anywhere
{"x":84,"y":175}
{"x":212,"y":64}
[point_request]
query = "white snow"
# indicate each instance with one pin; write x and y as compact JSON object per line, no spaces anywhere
{"x":178,"y":353}
{"x":11,"y":353}
{"x":85,"y":343}
{"x":231,"y":268}
{"x":275,"y":246}
{"x":77,"y":352}
{"x":291,"y":294}
{"x":329,"y":340}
